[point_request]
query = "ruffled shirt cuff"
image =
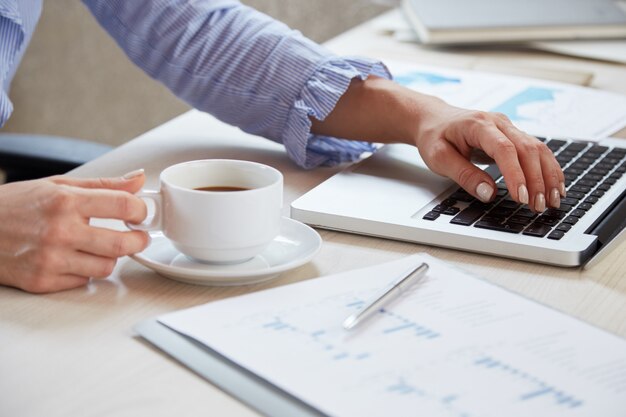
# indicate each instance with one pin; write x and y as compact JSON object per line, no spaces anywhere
{"x":317,"y":99}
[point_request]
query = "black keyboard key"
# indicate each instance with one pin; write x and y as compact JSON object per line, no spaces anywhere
{"x":482,"y":206}
{"x":599,"y":171}
{"x":568,"y":201}
{"x":598,"y":149}
{"x":576,"y":146}
{"x":501,"y":211}
{"x":592,"y":177}
{"x":431,"y":215}
{"x":587,"y":183}
{"x":602,"y":165}
{"x":520,"y":220}
{"x":550,"y":221}
{"x":571,"y":220}
{"x":439,"y":208}
{"x":577,"y":171}
{"x":605,"y":185}
{"x":556,"y":235}
{"x":610,"y":161}
{"x":578,"y":213}
{"x":451,"y":211}
{"x":537,"y":230}
{"x":616,"y":175}
{"x":591,"y":200}
{"x":564,"y":208}
{"x":617,"y":153}
{"x":524,"y":212}
{"x":508,"y":204}
{"x":555,"y":144}
{"x":554,"y":212}
{"x":586,"y":160}
{"x":575,"y":194}
{"x":579,"y":189}
{"x":597,"y":193}
{"x":503,"y":227}
{"x":467,"y":216}
{"x":492,"y":218}
{"x":448,"y":202}
{"x":462,"y":195}
{"x":584,"y":206}
{"x":564,"y":227}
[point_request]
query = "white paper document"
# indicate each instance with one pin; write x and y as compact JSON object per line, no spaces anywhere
{"x":541,"y":108}
{"x":454,"y":346}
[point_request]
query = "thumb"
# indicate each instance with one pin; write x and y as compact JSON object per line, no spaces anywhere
{"x":130,"y":182}
{"x":471,"y":178}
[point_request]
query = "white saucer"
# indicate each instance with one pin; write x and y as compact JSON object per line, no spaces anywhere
{"x":295,"y":245}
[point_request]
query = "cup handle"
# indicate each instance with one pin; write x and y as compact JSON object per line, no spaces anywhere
{"x":155,"y":222}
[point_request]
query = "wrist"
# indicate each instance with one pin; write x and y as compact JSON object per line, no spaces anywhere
{"x":419,"y":115}
{"x":408,"y":115}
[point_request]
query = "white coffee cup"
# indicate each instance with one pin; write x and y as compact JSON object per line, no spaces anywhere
{"x":217,"y":226}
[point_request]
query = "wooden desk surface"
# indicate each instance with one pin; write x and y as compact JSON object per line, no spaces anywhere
{"x":74,"y":353}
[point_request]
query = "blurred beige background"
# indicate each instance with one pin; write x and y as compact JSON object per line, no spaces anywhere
{"x":74,"y":81}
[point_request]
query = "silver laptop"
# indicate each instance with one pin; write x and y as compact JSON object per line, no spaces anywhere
{"x":392,"y":194}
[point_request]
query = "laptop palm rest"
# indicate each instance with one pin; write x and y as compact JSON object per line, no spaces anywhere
{"x":393,"y":184}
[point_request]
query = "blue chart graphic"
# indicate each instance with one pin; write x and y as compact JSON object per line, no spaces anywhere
{"x":511,"y":107}
{"x":540,"y":389}
{"x":419,"y":77}
{"x":400,"y":323}
{"x":395,"y":325}
{"x":318,"y":338}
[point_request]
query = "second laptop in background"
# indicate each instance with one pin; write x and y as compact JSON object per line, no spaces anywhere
{"x":485,"y":21}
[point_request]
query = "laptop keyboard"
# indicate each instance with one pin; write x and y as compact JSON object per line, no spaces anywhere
{"x":590,"y":171}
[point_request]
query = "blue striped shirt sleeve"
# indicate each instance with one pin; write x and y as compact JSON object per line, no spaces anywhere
{"x":17,"y":24}
{"x":242,"y":66}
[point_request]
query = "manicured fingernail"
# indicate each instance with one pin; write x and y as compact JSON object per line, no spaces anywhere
{"x":562,"y":189}
{"x":133,"y":174}
{"x":540,"y":203}
{"x":484,"y":191}
{"x":555,"y":198}
{"x":522,"y":194}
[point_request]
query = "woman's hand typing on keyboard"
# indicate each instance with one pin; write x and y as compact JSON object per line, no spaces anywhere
{"x":448,"y":135}
{"x":380,"y":110}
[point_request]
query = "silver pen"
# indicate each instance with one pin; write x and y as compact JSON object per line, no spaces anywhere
{"x":396,"y":288}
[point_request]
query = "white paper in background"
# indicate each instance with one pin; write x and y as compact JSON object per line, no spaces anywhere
{"x":455,"y":346}
{"x":396,"y":24}
{"x":606,"y":50}
{"x":539,"y":107}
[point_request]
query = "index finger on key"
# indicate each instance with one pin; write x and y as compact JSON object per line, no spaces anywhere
{"x":499,"y":147}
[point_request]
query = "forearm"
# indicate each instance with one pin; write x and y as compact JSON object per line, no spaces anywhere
{"x":377,"y":110}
